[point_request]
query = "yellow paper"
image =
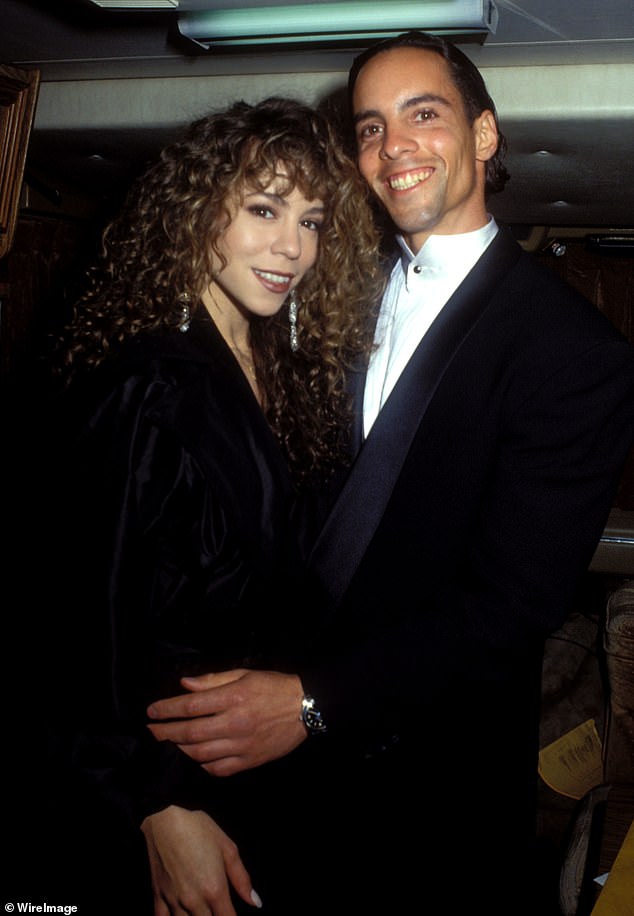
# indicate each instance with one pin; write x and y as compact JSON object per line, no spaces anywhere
{"x":572,"y":765}
{"x":617,"y":895}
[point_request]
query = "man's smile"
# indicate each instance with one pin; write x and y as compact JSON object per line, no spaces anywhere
{"x":406,"y":180}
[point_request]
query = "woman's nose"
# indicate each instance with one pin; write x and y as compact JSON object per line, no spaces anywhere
{"x":288,"y":241}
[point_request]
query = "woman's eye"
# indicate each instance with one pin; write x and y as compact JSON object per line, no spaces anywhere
{"x":312,"y":224}
{"x":263,"y":212}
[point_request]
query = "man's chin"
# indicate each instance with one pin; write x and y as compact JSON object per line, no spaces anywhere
{"x":412,"y":227}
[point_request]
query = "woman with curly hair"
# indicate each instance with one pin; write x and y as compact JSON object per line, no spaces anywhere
{"x":206,"y":367}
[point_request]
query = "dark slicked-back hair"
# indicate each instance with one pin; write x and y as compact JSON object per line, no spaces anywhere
{"x":467,"y":79}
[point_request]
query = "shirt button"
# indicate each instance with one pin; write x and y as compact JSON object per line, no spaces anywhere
{"x":417,"y":268}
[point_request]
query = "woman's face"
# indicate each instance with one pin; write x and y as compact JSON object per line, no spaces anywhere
{"x":269,"y":245}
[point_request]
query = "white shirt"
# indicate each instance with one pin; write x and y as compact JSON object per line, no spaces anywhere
{"x":418,"y":288}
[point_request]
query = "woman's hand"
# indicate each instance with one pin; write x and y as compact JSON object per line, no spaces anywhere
{"x":192,"y":863}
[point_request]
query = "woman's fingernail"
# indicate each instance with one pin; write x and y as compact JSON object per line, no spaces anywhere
{"x":256,"y":899}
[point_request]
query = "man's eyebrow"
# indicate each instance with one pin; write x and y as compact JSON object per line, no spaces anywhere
{"x":368,"y":113}
{"x":426,"y":98}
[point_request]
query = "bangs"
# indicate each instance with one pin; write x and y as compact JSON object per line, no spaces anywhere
{"x":290,"y":166}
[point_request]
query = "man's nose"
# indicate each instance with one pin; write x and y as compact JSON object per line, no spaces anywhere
{"x":396,"y":143}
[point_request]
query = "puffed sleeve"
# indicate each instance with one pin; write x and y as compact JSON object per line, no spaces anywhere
{"x":134,"y":529}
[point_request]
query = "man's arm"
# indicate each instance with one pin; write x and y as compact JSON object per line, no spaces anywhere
{"x":234,"y":720}
{"x":558,"y":471}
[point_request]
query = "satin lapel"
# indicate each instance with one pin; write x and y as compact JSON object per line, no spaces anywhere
{"x":355,"y":516}
{"x":356,"y":387}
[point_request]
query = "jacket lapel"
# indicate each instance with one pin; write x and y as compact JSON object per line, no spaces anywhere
{"x":357,"y":512}
{"x":356,"y":387}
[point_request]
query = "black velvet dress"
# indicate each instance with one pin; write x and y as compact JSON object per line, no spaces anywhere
{"x":167,"y":553}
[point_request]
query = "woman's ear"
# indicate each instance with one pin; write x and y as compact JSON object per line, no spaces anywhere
{"x":486,"y":136}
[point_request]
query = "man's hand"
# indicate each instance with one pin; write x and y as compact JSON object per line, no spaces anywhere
{"x":233,"y":721}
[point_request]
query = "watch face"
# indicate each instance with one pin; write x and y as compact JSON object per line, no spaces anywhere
{"x":312,"y":718}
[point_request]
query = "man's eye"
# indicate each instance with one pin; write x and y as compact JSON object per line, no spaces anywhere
{"x":370,"y":130}
{"x":427,"y":114}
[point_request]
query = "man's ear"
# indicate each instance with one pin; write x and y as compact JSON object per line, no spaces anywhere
{"x":485,"y":134}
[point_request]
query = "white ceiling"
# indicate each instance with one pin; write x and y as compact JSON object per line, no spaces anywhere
{"x":115,"y":86}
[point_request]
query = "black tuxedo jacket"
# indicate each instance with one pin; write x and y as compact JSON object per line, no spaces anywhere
{"x":475,"y":505}
{"x":461,"y":535}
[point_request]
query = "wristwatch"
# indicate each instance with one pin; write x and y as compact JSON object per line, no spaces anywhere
{"x":311,"y":717}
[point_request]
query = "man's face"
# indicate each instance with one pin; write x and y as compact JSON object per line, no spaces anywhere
{"x":416,"y":148}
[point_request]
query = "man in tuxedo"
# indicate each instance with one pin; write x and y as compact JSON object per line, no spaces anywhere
{"x":492,"y":427}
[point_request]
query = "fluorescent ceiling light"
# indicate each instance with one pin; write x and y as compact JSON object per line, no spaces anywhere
{"x":137,"y":4}
{"x":332,"y":23}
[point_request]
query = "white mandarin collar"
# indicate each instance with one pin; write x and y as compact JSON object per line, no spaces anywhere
{"x":441,"y":255}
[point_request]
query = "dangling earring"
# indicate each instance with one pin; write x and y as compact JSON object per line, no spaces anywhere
{"x":292,"y":318}
{"x":185,"y":321}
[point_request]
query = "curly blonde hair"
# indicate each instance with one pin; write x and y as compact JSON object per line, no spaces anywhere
{"x":165,"y":240}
